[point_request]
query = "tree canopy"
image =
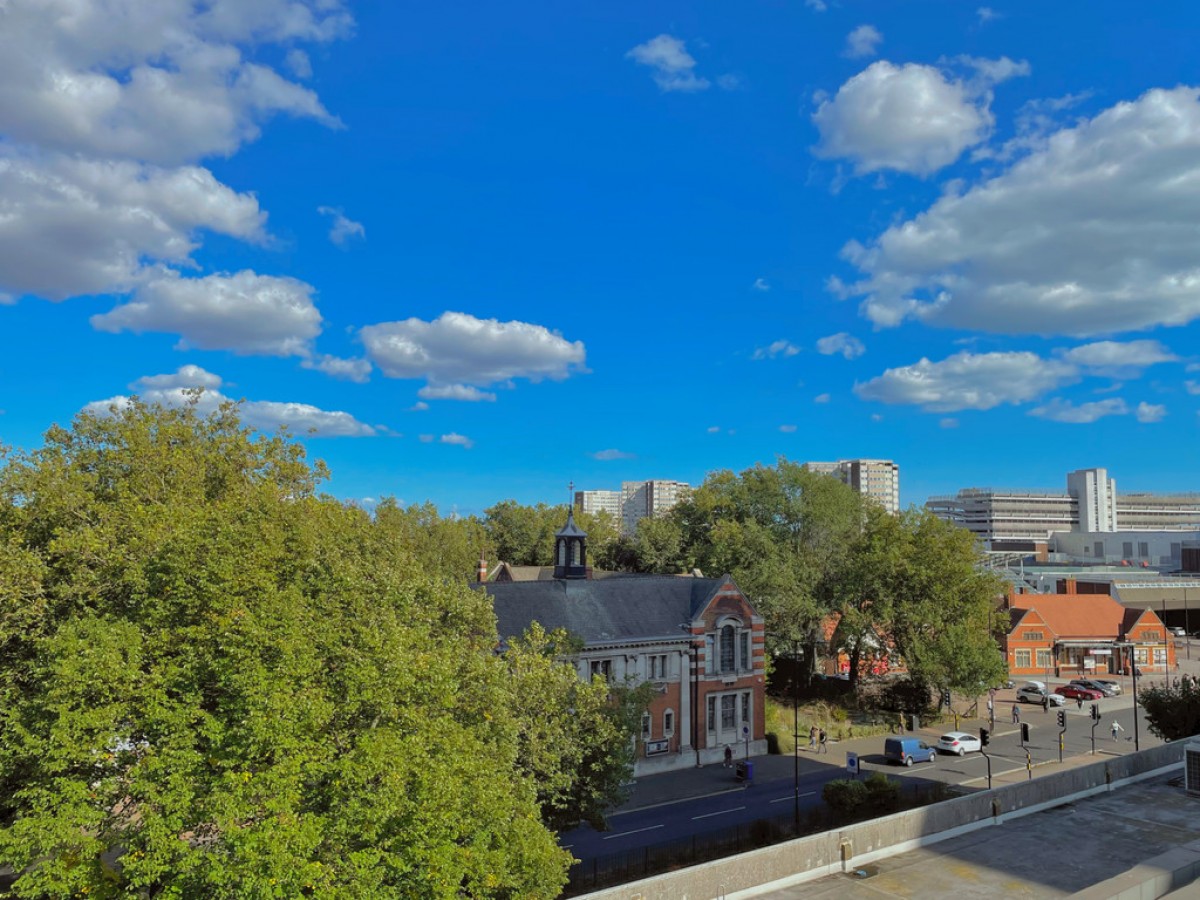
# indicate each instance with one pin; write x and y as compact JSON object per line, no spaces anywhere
{"x":216,"y":682}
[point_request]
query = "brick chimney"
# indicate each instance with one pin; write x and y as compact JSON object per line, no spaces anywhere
{"x":481,"y":573}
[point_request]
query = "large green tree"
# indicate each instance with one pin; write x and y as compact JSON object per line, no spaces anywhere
{"x":1173,"y":712}
{"x":216,"y":683}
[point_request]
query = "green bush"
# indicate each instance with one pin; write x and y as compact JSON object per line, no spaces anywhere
{"x":883,"y":794}
{"x":844,"y":796}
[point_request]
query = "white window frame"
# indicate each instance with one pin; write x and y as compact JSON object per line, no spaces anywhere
{"x":1023,"y":658}
{"x":668,"y":722}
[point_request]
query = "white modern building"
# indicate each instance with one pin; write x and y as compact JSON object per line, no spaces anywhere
{"x":878,"y":479}
{"x":1090,"y":505}
{"x":636,"y":500}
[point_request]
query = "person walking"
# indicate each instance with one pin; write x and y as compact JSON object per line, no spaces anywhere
{"x":812,"y":738}
{"x":1079,"y":702}
{"x":1116,"y":729}
{"x":823,"y":737}
{"x":1045,"y":703}
{"x":1016,"y":715}
{"x":728,"y":756}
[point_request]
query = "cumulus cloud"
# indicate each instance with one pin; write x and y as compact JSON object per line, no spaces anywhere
{"x":610,"y":455}
{"x":760,"y":284}
{"x":1094,"y":232}
{"x":862,"y":41}
{"x":775,"y":349}
{"x":343,"y":229}
{"x":357,"y":370}
{"x":674,"y":67}
{"x":75,"y":226}
{"x":911,"y":118}
{"x":464,"y":392}
{"x":457,"y":348}
{"x":243,"y":312}
{"x":969,"y":381}
{"x":1150,"y":412}
{"x":458,"y":440}
{"x":167,"y":82}
{"x":179,"y":388}
{"x":849,"y":346}
{"x":1118,"y":360}
{"x":1058,"y":410}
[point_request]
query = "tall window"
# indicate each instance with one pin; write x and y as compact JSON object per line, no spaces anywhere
{"x":710,"y":654}
{"x":712,"y":713}
{"x":728,"y":649}
{"x":646,"y":726}
{"x":746,"y":708}
{"x":728,"y":712}
{"x":669,"y":722}
{"x":745,"y":650}
{"x":603,"y":668}
{"x":1021,"y":659}
{"x":1043,"y":659}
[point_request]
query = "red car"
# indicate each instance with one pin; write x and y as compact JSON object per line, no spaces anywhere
{"x":1075,"y":692}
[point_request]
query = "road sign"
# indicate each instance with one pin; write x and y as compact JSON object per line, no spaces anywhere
{"x":851,"y":762}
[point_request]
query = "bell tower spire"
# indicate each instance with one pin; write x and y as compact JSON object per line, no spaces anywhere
{"x":570,"y":547}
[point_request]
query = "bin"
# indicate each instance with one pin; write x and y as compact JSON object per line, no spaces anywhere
{"x":914,"y":722}
{"x":744,"y":771}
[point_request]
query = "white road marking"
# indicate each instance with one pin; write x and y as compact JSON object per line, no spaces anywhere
{"x":789,"y":797}
{"x":719,"y":812}
{"x":609,"y":837}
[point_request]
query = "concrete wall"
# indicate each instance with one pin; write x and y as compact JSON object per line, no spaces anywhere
{"x":818,"y":855}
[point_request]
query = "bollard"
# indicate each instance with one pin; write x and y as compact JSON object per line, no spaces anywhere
{"x":995,"y":807}
{"x":845,"y":848}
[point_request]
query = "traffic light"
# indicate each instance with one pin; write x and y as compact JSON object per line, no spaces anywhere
{"x":1062,"y":719}
{"x":946,"y":699}
{"x":1095,"y":712}
{"x":985,"y":737}
{"x":1024,"y":732}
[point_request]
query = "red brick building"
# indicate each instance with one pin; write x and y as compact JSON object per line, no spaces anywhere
{"x":698,"y":640}
{"x":1083,"y":634}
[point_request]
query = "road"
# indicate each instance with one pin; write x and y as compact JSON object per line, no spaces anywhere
{"x":687,"y":818}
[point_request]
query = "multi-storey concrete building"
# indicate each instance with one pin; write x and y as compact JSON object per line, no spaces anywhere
{"x":1091,"y":504}
{"x":635,"y":501}
{"x":878,"y":479}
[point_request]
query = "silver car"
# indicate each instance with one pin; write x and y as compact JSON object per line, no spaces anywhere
{"x":1033,"y":693}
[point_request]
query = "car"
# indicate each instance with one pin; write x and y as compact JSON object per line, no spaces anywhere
{"x":1036,"y":693}
{"x":959,"y":742}
{"x":907,"y":750}
{"x":1178,"y":632}
{"x":1107,"y":685}
{"x":1075,"y":692}
{"x":1104,"y":687}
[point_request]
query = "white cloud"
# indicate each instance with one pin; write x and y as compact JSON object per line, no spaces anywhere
{"x":419,"y":406}
{"x":849,"y":346}
{"x":75,"y":226}
{"x":910,"y":118}
{"x":298,"y":63}
{"x":464,"y":392}
{"x":788,"y":429}
{"x":817,"y":5}
{"x":969,"y":381}
{"x":1150,"y":412}
{"x":876,"y":417}
{"x":458,"y":440}
{"x":610,"y":455}
{"x":178,"y":388}
{"x":986,"y":14}
{"x":168,"y":82}
{"x":1116,"y":359}
{"x":243,"y":312}
{"x":821,"y":398}
{"x":775,"y":349}
{"x":1092,"y":233}
{"x":357,"y":370}
{"x":948,"y":422}
{"x":426,"y":438}
{"x":715,"y":429}
{"x":673,"y":66}
{"x":862,"y":41}
{"x":1192,"y":387}
{"x":343,"y":229}
{"x":457,"y":348}
{"x":760,"y":284}
{"x":1058,"y":410}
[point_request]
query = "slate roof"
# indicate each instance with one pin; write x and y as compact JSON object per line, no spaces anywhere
{"x":570,"y":529}
{"x":621,"y":608}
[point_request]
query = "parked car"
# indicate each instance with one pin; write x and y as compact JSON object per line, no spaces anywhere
{"x":1107,"y":685}
{"x":1104,"y":687}
{"x":907,"y":750}
{"x":1178,"y":632}
{"x":958,"y":742}
{"x":1035,"y":692}
{"x":1075,"y":692}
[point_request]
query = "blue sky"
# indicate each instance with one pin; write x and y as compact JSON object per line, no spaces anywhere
{"x":484,"y":250}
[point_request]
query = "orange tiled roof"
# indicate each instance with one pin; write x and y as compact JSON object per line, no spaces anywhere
{"x":1076,"y":615}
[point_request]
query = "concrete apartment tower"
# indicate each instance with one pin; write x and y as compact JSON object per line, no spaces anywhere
{"x":878,"y":479}
{"x":1096,"y":496}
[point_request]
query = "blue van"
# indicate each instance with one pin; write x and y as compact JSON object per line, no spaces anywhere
{"x":907,"y":750}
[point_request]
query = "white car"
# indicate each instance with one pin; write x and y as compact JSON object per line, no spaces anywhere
{"x":959,"y":742}
{"x":1036,"y":693}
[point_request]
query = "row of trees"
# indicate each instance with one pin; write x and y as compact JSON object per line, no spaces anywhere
{"x":215,"y":682}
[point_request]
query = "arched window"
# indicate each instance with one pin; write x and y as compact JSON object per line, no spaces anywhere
{"x":728,"y":648}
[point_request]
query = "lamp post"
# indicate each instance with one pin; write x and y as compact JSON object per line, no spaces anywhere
{"x":1128,"y":645}
{"x":796,"y":734}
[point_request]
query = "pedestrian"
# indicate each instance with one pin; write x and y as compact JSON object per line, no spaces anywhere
{"x":900,"y":723}
{"x":1116,"y":729}
{"x":1016,"y":715}
{"x":1045,"y":703}
{"x":823,"y":737}
{"x":728,"y":756}
{"x":812,"y":738}
{"x":1079,"y":701}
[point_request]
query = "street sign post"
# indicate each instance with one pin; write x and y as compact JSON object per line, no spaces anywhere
{"x":852,"y":762}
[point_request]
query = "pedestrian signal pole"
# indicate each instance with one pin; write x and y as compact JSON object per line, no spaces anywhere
{"x":985,"y":738}
{"x":1062,"y":725}
{"x":1024,"y":741}
{"x":1095,"y":722}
